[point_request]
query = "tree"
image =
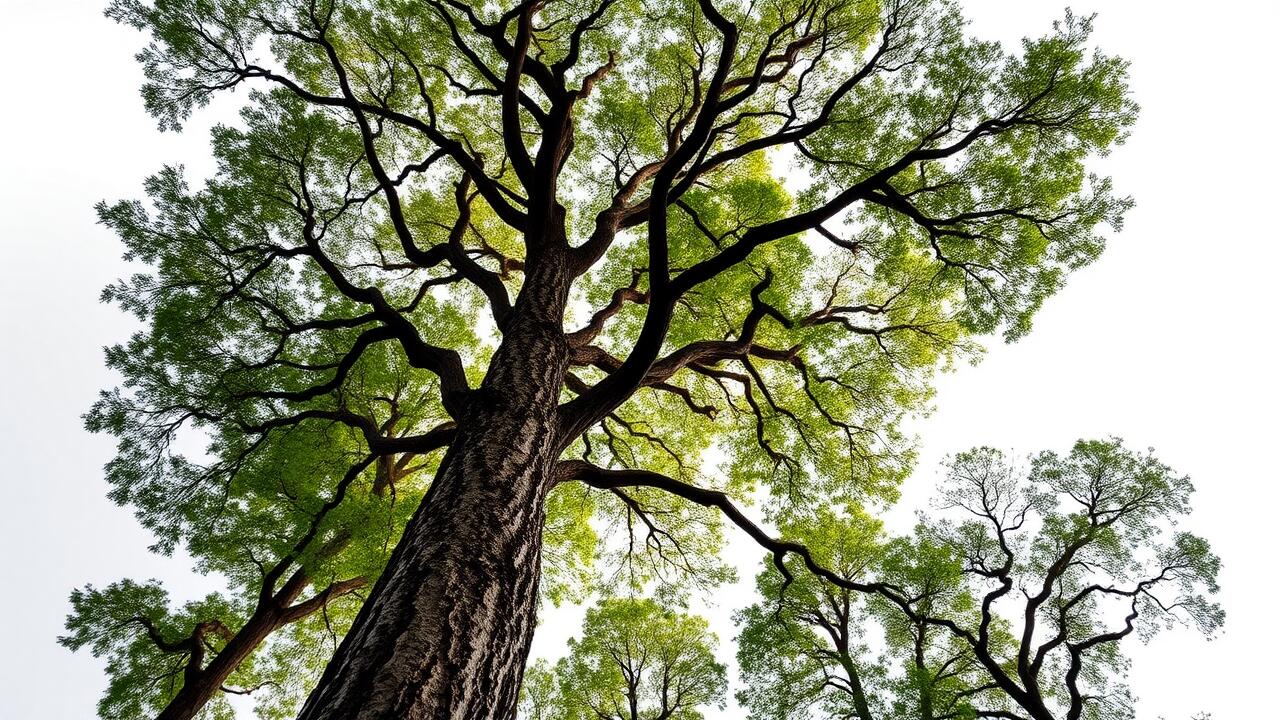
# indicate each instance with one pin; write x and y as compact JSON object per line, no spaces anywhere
{"x":809,"y":648}
{"x":802,"y":647}
{"x":573,"y":220}
{"x":636,"y":660}
{"x":538,"y":692}
{"x":1105,"y":561}
{"x":1015,"y":613}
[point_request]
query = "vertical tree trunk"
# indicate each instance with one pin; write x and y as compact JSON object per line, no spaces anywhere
{"x":856,"y":689}
{"x":446,"y":631}
{"x":923,"y":678}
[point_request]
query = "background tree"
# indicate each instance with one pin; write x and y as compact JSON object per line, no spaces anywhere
{"x":809,"y":648}
{"x":636,"y":660}
{"x":570,"y":220}
{"x":938,"y":675}
{"x":538,"y":698}
{"x":1082,"y":551}
{"x":803,"y":646}
{"x":1015,"y":613}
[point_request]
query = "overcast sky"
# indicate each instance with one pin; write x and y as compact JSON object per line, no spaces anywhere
{"x":1168,"y":341}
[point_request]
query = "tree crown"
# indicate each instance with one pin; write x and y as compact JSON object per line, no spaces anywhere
{"x":753,"y":229}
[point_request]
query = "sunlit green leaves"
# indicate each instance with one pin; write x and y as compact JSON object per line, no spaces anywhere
{"x":635,"y":660}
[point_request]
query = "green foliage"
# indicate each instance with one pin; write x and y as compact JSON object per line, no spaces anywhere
{"x":802,"y":633}
{"x":286,"y":668}
{"x":128,"y":623}
{"x":976,"y":203}
{"x":811,"y":649}
{"x":757,"y":230}
{"x":1017,"y":605}
{"x":635,"y":660}
{"x":538,"y":699}
{"x":571,"y":542}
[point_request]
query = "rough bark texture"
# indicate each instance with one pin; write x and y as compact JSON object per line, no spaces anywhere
{"x":446,"y":630}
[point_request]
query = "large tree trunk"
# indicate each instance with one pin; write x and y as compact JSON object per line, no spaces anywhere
{"x":446,"y":631}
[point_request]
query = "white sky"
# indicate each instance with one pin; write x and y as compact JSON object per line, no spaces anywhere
{"x":1168,"y":341}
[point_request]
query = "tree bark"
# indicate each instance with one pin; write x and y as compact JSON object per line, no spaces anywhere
{"x":446,"y":631}
{"x":857,"y":691}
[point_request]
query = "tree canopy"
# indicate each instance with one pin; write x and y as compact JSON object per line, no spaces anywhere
{"x":635,"y":660}
{"x":1012,"y":602}
{"x":469,"y":277}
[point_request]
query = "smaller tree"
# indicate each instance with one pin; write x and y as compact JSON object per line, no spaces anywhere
{"x":802,"y":648}
{"x":635,"y":660}
{"x":814,"y":649}
{"x":1079,"y":553}
{"x":538,"y":692}
{"x":1015,"y":611}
